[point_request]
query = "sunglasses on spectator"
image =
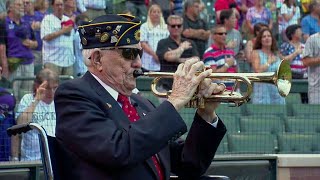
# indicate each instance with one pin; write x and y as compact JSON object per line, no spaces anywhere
{"x":175,"y":25}
{"x":128,"y":53}
{"x":221,"y":33}
{"x":26,"y":3}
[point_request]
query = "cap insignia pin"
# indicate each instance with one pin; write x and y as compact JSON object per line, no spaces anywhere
{"x":104,"y":37}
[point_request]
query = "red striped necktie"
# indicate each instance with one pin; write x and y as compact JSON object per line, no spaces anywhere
{"x":133,"y":116}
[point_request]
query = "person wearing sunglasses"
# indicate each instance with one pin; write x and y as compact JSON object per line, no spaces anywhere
{"x":108,"y":132}
{"x":173,"y":50}
{"x":218,"y":57}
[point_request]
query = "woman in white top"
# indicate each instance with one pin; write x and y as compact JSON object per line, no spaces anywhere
{"x":38,"y":107}
{"x":152,"y":32}
{"x":290,"y":14}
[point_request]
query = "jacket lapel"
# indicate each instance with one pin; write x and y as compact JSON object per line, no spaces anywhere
{"x":111,"y":106}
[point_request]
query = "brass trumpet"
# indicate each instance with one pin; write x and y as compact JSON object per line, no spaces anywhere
{"x":281,"y":79}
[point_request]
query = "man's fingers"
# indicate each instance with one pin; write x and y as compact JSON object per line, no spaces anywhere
{"x":220,"y":88}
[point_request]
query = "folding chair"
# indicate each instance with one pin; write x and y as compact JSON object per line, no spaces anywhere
{"x":49,"y":146}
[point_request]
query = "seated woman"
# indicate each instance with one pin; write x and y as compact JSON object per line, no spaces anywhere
{"x":265,"y":58}
{"x":292,"y":51}
{"x":38,"y":107}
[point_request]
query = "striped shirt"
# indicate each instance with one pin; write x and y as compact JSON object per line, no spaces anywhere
{"x":215,"y":58}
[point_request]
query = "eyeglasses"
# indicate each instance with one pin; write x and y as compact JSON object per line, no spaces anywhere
{"x":26,"y":3}
{"x":129,"y":53}
{"x":176,"y":26}
{"x":220,"y":33}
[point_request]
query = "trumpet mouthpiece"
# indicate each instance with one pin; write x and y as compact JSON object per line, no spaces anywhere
{"x":137,"y":73}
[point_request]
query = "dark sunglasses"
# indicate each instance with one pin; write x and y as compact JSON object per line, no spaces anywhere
{"x":176,"y":25}
{"x":128,"y":53}
{"x":220,"y":34}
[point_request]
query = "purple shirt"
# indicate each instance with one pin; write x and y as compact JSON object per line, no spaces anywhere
{"x":38,"y":16}
{"x":15,"y":34}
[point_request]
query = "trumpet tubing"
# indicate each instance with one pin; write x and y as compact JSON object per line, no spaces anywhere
{"x":281,"y":79}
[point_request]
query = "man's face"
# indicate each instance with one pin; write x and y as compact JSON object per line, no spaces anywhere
{"x":27,"y":6}
{"x":220,"y":36}
{"x":175,"y":27}
{"x":17,"y":8}
{"x":195,"y":9}
{"x":49,"y":92}
{"x":70,"y":4}
{"x":58,"y":8}
{"x":116,"y":69}
{"x":232,"y":21}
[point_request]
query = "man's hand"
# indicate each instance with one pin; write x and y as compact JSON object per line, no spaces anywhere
{"x":206,"y":90}
{"x":35,"y":25}
{"x":230,"y":61}
{"x":4,"y":71}
{"x":41,"y":90}
{"x":185,"y":82}
{"x":185,"y":45}
{"x":67,"y":29}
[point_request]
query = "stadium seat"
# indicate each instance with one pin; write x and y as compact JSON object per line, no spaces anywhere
{"x":293,"y":98}
{"x":229,"y":109}
{"x":265,"y":109}
{"x":302,"y":125}
{"x":149,"y":95}
{"x":241,"y":143}
{"x":306,"y":110}
{"x":187,"y":115}
{"x":231,"y":122}
{"x":299,"y":143}
{"x":261,"y":124}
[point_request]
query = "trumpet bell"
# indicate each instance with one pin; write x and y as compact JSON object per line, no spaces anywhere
{"x":284,"y":75}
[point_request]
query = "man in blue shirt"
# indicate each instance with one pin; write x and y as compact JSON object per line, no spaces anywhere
{"x":310,"y":23}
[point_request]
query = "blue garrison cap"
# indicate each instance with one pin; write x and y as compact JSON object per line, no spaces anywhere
{"x":110,"y":30}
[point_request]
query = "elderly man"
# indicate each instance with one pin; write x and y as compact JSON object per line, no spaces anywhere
{"x":17,"y":57}
{"x":110,"y":133}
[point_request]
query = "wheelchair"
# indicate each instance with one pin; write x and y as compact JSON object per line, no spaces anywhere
{"x":49,"y":147}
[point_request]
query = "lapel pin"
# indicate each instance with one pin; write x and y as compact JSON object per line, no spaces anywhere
{"x":144,"y":114}
{"x":108,"y":105}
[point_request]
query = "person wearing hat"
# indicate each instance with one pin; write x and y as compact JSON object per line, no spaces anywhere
{"x":105,"y":131}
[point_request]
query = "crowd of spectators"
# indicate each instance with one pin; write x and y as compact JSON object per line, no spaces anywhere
{"x":38,"y":34}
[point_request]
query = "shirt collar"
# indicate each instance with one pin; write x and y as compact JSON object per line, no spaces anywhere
{"x":215,"y":47}
{"x":111,"y":91}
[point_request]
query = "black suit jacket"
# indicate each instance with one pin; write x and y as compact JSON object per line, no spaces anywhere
{"x":100,"y":142}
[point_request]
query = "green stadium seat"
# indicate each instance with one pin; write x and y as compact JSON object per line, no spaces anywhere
{"x":231,"y":122}
{"x":299,"y":143}
{"x":257,"y":143}
{"x":229,"y":109}
{"x":306,"y":110}
{"x":149,"y":95}
{"x":302,"y":125}
{"x":187,"y":115}
{"x":265,"y":110}
{"x":223,"y":147}
{"x":293,"y":98}
{"x":261,"y":124}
